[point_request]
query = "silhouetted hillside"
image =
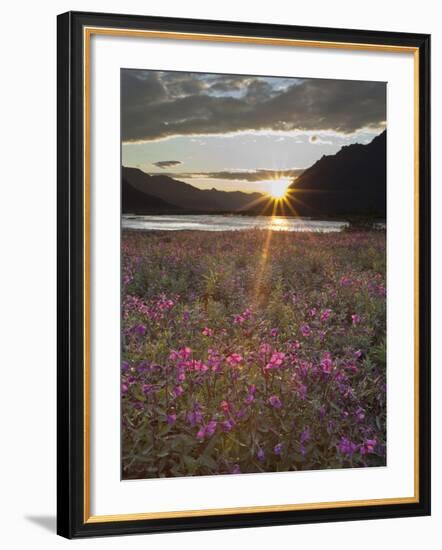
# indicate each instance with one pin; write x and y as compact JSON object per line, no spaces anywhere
{"x":182,"y":195}
{"x":137,"y":202}
{"x":350,"y":183}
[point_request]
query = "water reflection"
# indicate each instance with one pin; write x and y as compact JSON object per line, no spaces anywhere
{"x":215,"y":222}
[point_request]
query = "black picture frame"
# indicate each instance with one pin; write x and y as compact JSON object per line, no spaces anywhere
{"x":72,"y":393}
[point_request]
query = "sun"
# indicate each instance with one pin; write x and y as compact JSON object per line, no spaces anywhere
{"x":279,"y":188}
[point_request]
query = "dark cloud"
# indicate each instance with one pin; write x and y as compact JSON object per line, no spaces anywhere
{"x":179,"y":84}
{"x":166,"y":163}
{"x":259,"y":90}
{"x":229,"y":84}
{"x":158,"y":105}
{"x":245,"y":175}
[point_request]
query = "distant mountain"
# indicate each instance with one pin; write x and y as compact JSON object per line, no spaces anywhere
{"x":138,"y":202}
{"x":350,"y":183}
{"x":178,"y":194}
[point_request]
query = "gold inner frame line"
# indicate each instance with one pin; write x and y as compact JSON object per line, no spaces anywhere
{"x":87,"y":34}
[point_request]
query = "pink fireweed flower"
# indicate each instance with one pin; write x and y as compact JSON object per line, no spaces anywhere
{"x":216,"y":366}
{"x":194,"y":417}
{"x":312,"y":312}
{"x":227,"y":425}
{"x":276,"y":360}
{"x":355,"y":319}
{"x":165,"y":304}
{"x":249,"y":399}
{"x":325,"y":314}
{"x":360,"y":414}
{"x":199,"y":366}
{"x":301,"y":391}
{"x":212,"y":355}
{"x":225,"y":406}
{"x":358,"y":354}
{"x":305,"y":435}
{"x":185,"y":352}
{"x":326,"y":363}
{"x":264,"y":349}
{"x":381,"y":290}
{"x":305,"y":367}
{"x":211,"y":428}
{"x":247,"y":313}
{"x":201,"y":434}
{"x":306,"y":330}
{"x":351,"y":367}
{"x":346,"y":447}
{"x":147,"y":388}
{"x":174,"y":355}
{"x":207,"y":331}
{"x":239,"y":319}
{"x":234,"y":359}
{"x":177,"y":391}
{"x":274,"y":332}
{"x":368,"y":446}
{"x":181,"y":376}
{"x":127,"y":279}
{"x":277,"y":449}
{"x":275,"y":402}
{"x":140,"y":330}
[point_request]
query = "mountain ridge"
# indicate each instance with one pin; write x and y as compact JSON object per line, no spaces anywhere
{"x":352,"y":182}
{"x":184,"y":195}
{"x":135,"y":201}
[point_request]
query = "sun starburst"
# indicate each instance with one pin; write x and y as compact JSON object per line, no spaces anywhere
{"x":279,"y":188}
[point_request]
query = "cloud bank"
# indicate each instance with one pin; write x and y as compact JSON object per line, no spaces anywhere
{"x":159,"y":105}
{"x":241,"y":175}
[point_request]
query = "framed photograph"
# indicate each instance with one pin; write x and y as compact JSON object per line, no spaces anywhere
{"x":243,"y":274}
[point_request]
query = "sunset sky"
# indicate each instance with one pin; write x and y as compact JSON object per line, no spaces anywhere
{"x":236,"y":132}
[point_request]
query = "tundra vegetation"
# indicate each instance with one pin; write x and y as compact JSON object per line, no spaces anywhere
{"x":252,"y":351}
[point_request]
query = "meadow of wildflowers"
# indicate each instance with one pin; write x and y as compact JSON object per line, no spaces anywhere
{"x":252,"y":351}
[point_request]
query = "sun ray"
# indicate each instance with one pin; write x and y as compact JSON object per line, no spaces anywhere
{"x":262,"y":263}
{"x":288,"y":201}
